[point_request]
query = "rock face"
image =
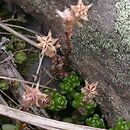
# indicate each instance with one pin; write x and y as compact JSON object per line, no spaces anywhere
{"x":101,"y":49}
{"x":101,"y":53}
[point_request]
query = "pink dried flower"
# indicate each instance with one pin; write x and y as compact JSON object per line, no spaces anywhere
{"x":67,"y":15}
{"x":73,"y":15}
{"x":80,"y":10}
{"x":89,"y":90}
{"x":34,"y":96}
{"x":68,"y":18}
{"x":47,"y":44}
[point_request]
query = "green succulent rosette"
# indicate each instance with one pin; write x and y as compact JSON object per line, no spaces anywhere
{"x":20,"y":57}
{"x":59,"y":102}
{"x":95,"y":121}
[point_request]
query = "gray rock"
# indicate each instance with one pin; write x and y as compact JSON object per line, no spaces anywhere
{"x":101,"y":49}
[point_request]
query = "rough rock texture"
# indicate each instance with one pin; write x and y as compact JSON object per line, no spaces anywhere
{"x":101,"y":53}
{"x":45,"y":12}
{"x":101,"y":49}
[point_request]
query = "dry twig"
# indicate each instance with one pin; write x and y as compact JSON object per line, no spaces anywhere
{"x":11,"y":19}
{"x":19,"y":80}
{"x":9,"y":97}
{"x":41,"y":121}
{"x":26,"y":29}
{"x":39,"y":66}
{"x":18,"y":34}
{"x":47,"y":72}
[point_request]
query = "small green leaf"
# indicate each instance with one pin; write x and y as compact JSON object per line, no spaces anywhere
{"x":8,"y":127}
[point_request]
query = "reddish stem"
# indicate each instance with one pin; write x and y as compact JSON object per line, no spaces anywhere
{"x":68,"y":42}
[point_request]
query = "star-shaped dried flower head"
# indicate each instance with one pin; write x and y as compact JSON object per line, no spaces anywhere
{"x":89,"y":90}
{"x":68,"y":18}
{"x":34,"y":96}
{"x":67,"y":15}
{"x":80,"y":10}
{"x":47,"y":44}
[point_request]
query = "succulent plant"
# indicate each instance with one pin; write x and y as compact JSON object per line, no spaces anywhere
{"x":121,"y":125}
{"x":70,"y":82}
{"x":59,"y":102}
{"x":20,"y":57}
{"x":95,"y":121}
{"x":4,"y":85}
{"x":77,"y":102}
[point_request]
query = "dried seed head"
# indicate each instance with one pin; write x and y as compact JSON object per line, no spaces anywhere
{"x":72,"y":16}
{"x":67,"y":15}
{"x":89,"y":90}
{"x":68,"y":18}
{"x":80,"y":10}
{"x":47,"y":44}
{"x":34,"y":96}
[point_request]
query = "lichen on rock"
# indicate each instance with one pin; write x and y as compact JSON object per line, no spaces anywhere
{"x":103,"y":56}
{"x":122,"y":23}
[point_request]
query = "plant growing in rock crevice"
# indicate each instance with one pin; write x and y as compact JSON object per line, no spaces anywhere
{"x":47,"y":45}
{"x":82,"y":101}
{"x":72,"y":90}
{"x":71,"y":17}
{"x":34,"y":96}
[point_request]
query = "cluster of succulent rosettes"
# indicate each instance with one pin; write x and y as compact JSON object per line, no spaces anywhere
{"x":70,"y":82}
{"x":88,"y":108}
{"x":4,"y":85}
{"x":121,"y":125}
{"x":20,"y":56}
{"x":48,"y":44}
{"x":72,"y":15}
{"x":58,"y":102}
{"x":85,"y":108}
{"x":95,"y":121}
{"x":18,"y":45}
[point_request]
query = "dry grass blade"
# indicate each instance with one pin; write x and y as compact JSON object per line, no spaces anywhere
{"x":39,"y":66}
{"x":26,"y":29}
{"x":41,"y":121}
{"x":19,"y":80}
{"x":9,"y":98}
{"x":11,"y":19}
{"x":18,"y":35}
